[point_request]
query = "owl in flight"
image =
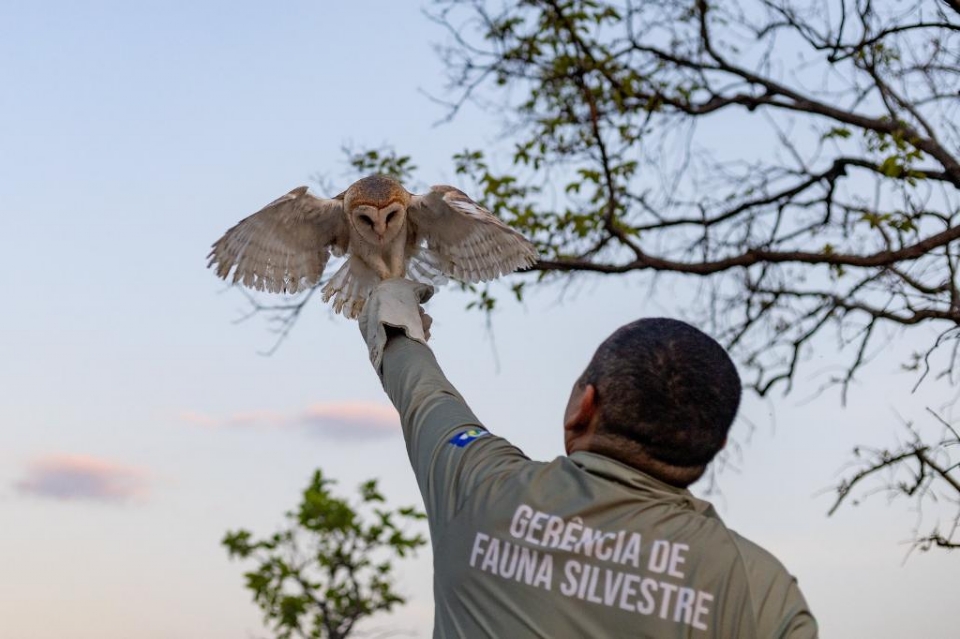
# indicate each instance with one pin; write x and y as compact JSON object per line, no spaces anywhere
{"x":383,"y":230}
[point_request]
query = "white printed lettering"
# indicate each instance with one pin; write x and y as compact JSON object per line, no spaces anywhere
{"x":659,"y":556}
{"x":592,"y":591}
{"x":668,"y":589}
{"x":477,"y":548}
{"x":631,"y":554}
{"x":527,"y":565}
{"x":536,"y":525}
{"x":604,"y":553}
{"x":612,"y":581}
{"x":508,"y":560}
{"x":544,"y":577}
{"x":570,"y":534}
{"x":587,"y":541}
{"x":629,"y":592}
{"x":518,"y":526}
{"x":684,"y":609}
{"x":490,"y":557}
{"x":676,"y":559}
{"x":647,"y":588}
{"x":619,"y":546}
{"x":570,"y":570}
{"x":673,"y":601}
{"x":701,"y":610}
{"x":551,"y":535}
{"x":584,"y":582}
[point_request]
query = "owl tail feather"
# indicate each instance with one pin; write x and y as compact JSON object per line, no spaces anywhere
{"x":350,"y":287}
{"x":427,"y":267}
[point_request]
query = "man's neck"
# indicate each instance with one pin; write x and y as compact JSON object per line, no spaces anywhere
{"x":634,"y":455}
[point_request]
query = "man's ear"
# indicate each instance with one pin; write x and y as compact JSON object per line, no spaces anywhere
{"x":581,"y":411}
{"x":580,"y":419}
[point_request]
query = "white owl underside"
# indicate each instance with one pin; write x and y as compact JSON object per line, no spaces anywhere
{"x":354,"y":281}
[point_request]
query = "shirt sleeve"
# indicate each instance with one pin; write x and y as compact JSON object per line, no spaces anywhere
{"x":802,"y":626}
{"x":450,"y":450}
{"x":779,"y":606}
{"x":782,"y":610}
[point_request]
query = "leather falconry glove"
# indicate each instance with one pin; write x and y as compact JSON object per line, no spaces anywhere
{"x":394,"y":304}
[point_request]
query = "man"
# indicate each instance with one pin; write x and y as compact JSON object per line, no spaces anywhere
{"x":606,"y":542}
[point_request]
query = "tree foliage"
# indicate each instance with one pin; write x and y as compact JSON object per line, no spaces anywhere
{"x":803,"y":154}
{"x":329,"y":568}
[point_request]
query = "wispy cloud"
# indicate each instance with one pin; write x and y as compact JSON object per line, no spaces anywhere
{"x":351,"y":420}
{"x":339,"y":420}
{"x":82,"y":478}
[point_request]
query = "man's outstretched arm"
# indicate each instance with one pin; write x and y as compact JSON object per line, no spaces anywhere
{"x":449,"y":449}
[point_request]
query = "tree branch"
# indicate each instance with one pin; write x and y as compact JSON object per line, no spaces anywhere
{"x":751,"y":257}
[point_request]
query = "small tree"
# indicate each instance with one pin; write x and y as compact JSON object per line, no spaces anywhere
{"x":327,"y":569}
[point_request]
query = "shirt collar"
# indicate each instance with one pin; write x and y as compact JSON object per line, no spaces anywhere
{"x":612,"y":470}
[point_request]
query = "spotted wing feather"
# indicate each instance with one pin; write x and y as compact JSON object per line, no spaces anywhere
{"x":467,"y":241}
{"x":284,"y":246}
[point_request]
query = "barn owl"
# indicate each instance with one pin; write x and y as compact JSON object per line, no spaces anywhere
{"x":384,"y":231}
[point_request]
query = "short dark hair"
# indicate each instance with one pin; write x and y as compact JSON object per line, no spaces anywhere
{"x":666,"y":386}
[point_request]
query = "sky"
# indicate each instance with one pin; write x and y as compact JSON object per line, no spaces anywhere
{"x":140,"y":420}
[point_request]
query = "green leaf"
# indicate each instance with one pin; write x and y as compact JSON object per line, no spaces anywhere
{"x":837,"y":132}
{"x":891,"y":167}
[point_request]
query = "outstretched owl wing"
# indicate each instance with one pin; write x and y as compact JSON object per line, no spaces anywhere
{"x":466,"y":241}
{"x":284,"y":246}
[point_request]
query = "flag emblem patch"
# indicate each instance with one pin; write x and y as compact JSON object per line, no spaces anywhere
{"x":463,"y":438}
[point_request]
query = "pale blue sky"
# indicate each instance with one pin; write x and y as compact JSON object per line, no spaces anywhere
{"x":132,"y":136}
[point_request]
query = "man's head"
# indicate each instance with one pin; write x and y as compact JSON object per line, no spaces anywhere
{"x":658,"y":395}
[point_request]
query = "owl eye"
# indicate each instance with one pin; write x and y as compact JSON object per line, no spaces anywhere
{"x":366,"y":219}
{"x":391,"y":215}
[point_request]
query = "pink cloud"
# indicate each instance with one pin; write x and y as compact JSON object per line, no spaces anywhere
{"x":336,"y":420}
{"x":252,"y":419}
{"x":82,"y":478}
{"x":198,"y":419}
{"x":348,"y":420}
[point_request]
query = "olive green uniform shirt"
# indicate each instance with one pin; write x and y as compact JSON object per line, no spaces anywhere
{"x":582,"y":546}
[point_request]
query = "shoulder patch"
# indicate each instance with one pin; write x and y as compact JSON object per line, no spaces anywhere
{"x":463,"y":438}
